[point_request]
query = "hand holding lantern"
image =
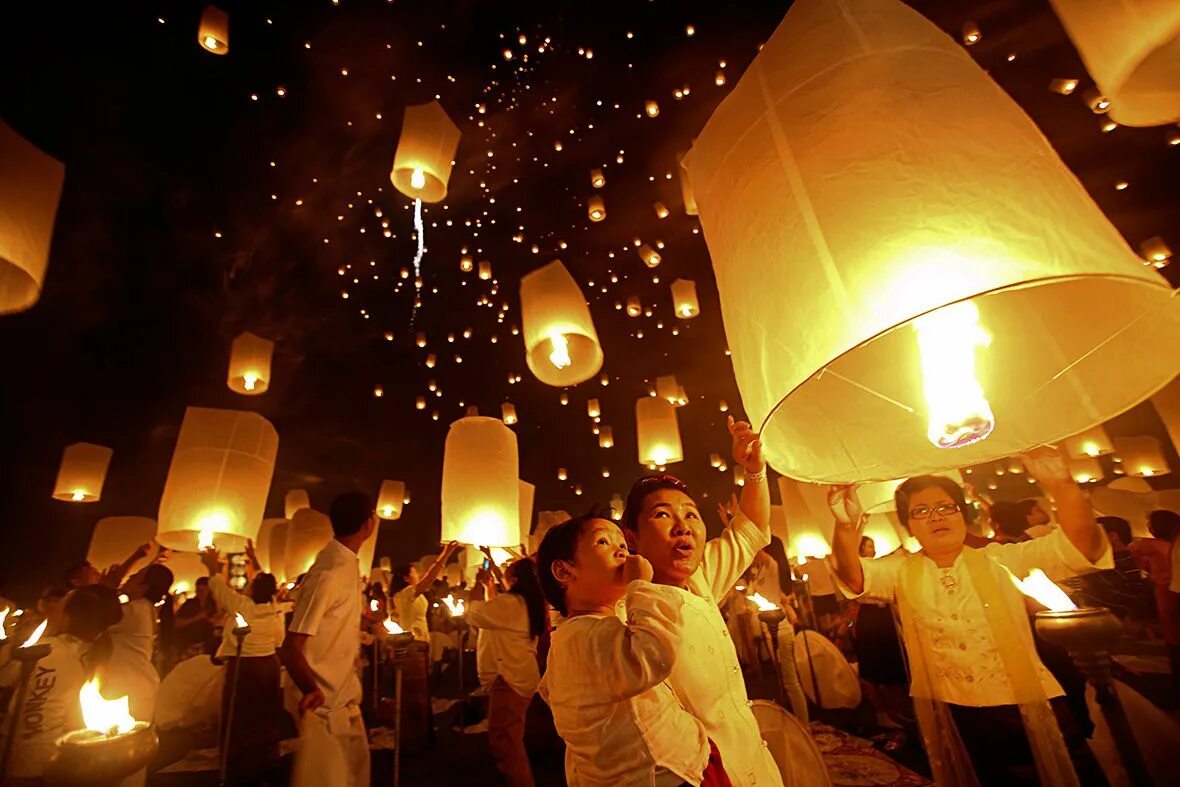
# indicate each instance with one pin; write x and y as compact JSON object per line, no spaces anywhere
{"x":747,"y":448}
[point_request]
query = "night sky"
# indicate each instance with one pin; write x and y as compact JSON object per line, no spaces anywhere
{"x":199,"y":203}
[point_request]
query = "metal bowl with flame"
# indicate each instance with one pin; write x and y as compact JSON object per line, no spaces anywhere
{"x":97,"y":758}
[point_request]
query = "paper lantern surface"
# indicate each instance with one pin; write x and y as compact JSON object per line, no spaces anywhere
{"x":480,"y":490}
{"x":186,"y":568}
{"x":561,"y":344}
{"x":295,"y":500}
{"x":1090,"y":443}
{"x":658,"y":432}
{"x":809,"y":523}
{"x":1086,"y":470}
{"x":219,"y":479}
{"x":30,"y":188}
{"x":309,"y":532}
{"x":249,"y":364}
{"x":528,"y":493}
{"x":1141,"y":457}
{"x":263,"y":541}
{"x":1167,"y":406}
{"x":855,"y":117}
{"x":425,"y":150}
{"x":390,"y":499}
{"x":277,"y":549}
{"x":878,"y":497}
{"x":684,"y":299}
{"x":213,"y":33}
{"x":82,"y":472}
{"x":1132,"y":49}
{"x":115,"y":538}
{"x":367,"y":552}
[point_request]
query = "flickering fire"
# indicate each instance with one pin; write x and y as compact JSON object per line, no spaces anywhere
{"x":1042,"y":589}
{"x":763,"y":603}
{"x":3,"y":617}
{"x":392,"y":627}
{"x":109,"y":717}
{"x":373,"y":605}
{"x":249,"y":380}
{"x":418,"y":178}
{"x":36,"y":635}
{"x":387,"y":510}
{"x":79,"y":495}
{"x":959,"y":413}
{"x":457,"y":607}
{"x":205,"y":539}
{"x":239,"y":621}
{"x":560,"y":355}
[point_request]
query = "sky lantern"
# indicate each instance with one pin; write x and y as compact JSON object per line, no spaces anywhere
{"x":1141,"y":457}
{"x":808,"y":526}
{"x":295,"y":500}
{"x":1132,"y":49}
{"x":650,"y":256}
{"x":1167,"y":405}
{"x":425,"y":152}
{"x":466,"y":264}
{"x":218,"y":481}
{"x":593,"y":409}
{"x":606,"y":437}
{"x":29,"y":192}
{"x":867,"y":347}
{"x":508,"y":413}
{"x":1086,"y":470}
{"x":651,"y":109}
{"x":561,"y":345}
{"x":634,"y":306}
{"x":971,"y":34}
{"x":213,"y":33}
{"x":669,"y":388}
{"x":186,"y":568}
{"x":485,"y":270}
{"x":1090,"y":443}
{"x":309,"y":532}
{"x":480,"y":491}
{"x":390,"y":499}
{"x":82,"y":472}
{"x":263,"y":541}
{"x":597,"y":179}
{"x":686,"y":195}
{"x":115,"y":538}
{"x":658,"y":432}
{"x":528,"y":494}
{"x":886,"y":532}
{"x":661,"y":210}
{"x":596,"y":208}
{"x":276,"y":549}
{"x":684,"y":299}
{"x":249,"y":364}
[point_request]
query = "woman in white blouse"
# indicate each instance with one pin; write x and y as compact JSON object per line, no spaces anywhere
{"x":980,"y":692}
{"x":509,"y":624}
{"x":409,"y":590}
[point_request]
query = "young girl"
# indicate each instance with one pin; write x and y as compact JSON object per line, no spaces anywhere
{"x":509,"y":626}
{"x":621,"y":722}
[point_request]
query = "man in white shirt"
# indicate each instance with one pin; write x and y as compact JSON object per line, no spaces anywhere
{"x":321,"y":650}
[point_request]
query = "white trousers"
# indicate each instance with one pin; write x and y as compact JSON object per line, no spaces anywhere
{"x":333,"y":750}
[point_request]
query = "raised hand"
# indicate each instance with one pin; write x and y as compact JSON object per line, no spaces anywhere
{"x":747,"y":448}
{"x":637,"y":567}
{"x":1047,"y":466}
{"x":845,"y":506}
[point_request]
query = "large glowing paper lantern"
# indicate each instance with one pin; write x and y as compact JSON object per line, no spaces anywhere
{"x":309,"y":532}
{"x":82,"y":472}
{"x":1167,"y":405}
{"x":658,"y":432}
{"x":561,"y":345}
{"x":528,"y":494}
{"x":1090,"y":443}
{"x":390,"y":499}
{"x":262,"y":543}
{"x":218,"y":480}
{"x":596,"y":208}
{"x":684,"y":299}
{"x":690,"y":200}
{"x":213,"y":34}
{"x":295,"y":500}
{"x":249,"y":364}
{"x":186,"y":568}
{"x":809,"y":524}
{"x":886,"y":532}
{"x":30,"y":187}
{"x":277,"y":550}
{"x":855,"y":117}
{"x":425,"y":153}
{"x":1141,"y":457}
{"x":115,"y":538}
{"x":1132,"y":49}
{"x":878,"y":497}
{"x":480,"y":490}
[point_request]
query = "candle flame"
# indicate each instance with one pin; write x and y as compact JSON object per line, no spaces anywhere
{"x":392,"y":627}
{"x":210,"y":42}
{"x":387,"y":510}
{"x":3,"y":617}
{"x":1090,"y":448}
{"x":204,"y":540}
{"x":249,"y":380}
{"x":959,"y":413}
{"x":239,"y":621}
{"x":1042,"y":589}
{"x":78,"y":496}
{"x":457,"y":608}
{"x":110,"y":717}
{"x":36,"y":635}
{"x":560,"y":355}
{"x":763,"y":603}
{"x":418,"y":178}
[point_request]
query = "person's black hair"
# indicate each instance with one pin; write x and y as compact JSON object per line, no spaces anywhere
{"x":74,"y":573}
{"x":911,"y":486}
{"x":1010,"y":518}
{"x":1164,"y":524}
{"x":89,"y":612}
{"x":263,"y":588}
{"x":1116,"y":525}
{"x":527,"y":585}
{"x":639,"y":492}
{"x":778,"y":553}
{"x":561,"y":543}
{"x":861,"y":546}
{"x":349,"y":513}
{"x":54,"y":593}
{"x":159,"y":578}
{"x":399,"y":578}
{"x":202,"y":581}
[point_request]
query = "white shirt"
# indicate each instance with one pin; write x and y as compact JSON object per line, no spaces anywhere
{"x":707,"y":676}
{"x":265,"y":620}
{"x":129,"y":670}
{"x":963,"y":660}
{"x":621,"y":723}
{"x":51,"y":707}
{"x":329,"y":611}
{"x":506,"y":648}
{"x":411,"y":610}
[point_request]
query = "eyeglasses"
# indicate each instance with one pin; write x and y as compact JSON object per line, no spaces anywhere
{"x":924,"y":512}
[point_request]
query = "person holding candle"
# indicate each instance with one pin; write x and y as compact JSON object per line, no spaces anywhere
{"x":980,"y":692}
{"x":663,"y":524}
{"x":409,"y":591}
{"x":321,"y":649}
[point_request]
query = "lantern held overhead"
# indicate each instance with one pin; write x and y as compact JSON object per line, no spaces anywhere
{"x":115,"y":538}
{"x":480,"y":490}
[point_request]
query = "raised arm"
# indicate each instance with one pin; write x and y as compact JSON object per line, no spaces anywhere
{"x":846,"y":537}
{"x":113,"y":577}
{"x":435,"y":569}
{"x":1074,"y":512}
{"x":747,"y":452}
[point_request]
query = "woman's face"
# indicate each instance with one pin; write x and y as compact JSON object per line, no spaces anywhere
{"x":868,"y":548}
{"x":939,"y":530}
{"x":136,"y":585}
{"x":670,"y":533}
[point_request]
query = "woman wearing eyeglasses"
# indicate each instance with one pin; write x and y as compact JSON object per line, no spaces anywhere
{"x":989,"y":711}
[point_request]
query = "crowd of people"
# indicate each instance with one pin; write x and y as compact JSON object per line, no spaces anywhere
{"x":638,"y":635}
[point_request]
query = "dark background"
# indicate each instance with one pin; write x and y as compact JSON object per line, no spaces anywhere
{"x":164,"y":147}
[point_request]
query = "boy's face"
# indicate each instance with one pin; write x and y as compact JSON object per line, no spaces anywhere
{"x":595,"y":577}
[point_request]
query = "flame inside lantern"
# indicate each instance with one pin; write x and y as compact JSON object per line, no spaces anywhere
{"x":959,"y":414}
{"x":205,"y":540}
{"x":1042,"y":590}
{"x":763,"y":603}
{"x":110,"y":717}
{"x":79,"y":495}
{"x":249,"y":380}
{"x":418,"y":178}
{"x":560,"y":355}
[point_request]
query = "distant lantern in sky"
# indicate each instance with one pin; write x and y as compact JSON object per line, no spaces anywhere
{"x":971,"y":34}
{"x":650,"y":256}
{"x":115,"y":538}
{"x":1155,"y":251}
{"x":561,"y":344}
{"x":651,"y":109}
{"x":668,"y":388}
{"x":597,"y":179}
{"x":480,"y":490}
{"x":249,"y":364}
{"x":213,"y":33}
{"x":1086,"y":470}
{"x":218,"y":481}
{"x":309,"y":532}
{"x":658,"y":432}
{"x":30,"y":188}
{"x":466,"y":264}
{"x":661,"y":210}
{"x":684,"y":299}
{"x":634,"y":306}
{"x":593,"y":409}
{"x":485,"y":270}
{"x":390,"y":499}
{"x":1141,"y":457}
{"x":1090,"y":443}
{"x":606,"y":437}
{"x":295,"y":500}
{"x":425,"y":151}
{"x":508,"y":413}
{"x":82,"y":472}
{"x":1098,"y":103}
{"x":1063,"y":86}
{"x":596,"y":208}
{"x":690,"y":200}
{"x":916,"y":331}
{"x":1132,"y":49}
